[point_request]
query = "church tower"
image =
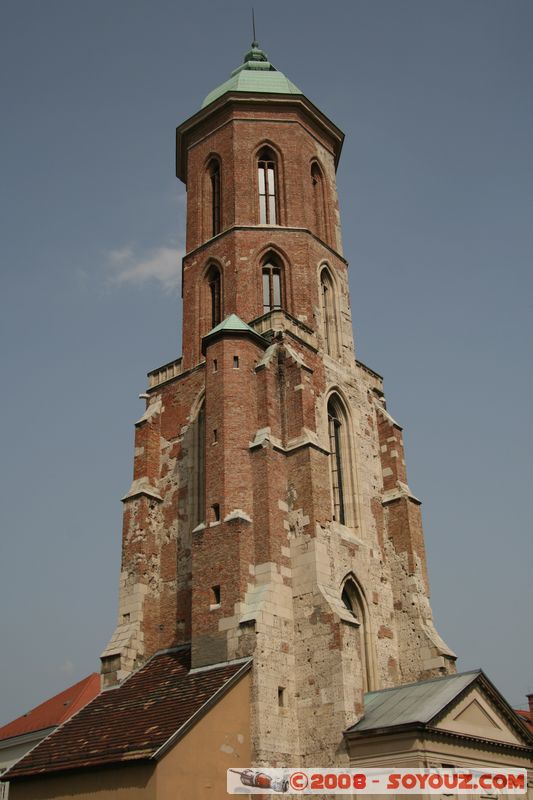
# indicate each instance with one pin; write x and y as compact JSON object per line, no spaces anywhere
{"x":270,"y":514}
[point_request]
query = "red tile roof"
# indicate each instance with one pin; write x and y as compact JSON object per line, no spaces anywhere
{"x":135,"y":719}
{"x":53,"y":712}
{"x":527,"y":717}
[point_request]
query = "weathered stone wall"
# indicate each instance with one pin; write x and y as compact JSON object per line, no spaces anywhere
{"x":155,"y":579}
{"x":257,"y":565}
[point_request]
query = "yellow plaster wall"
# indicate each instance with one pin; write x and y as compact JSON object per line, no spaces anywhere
{"x":133,"y":782}
{"x":196,"y":767}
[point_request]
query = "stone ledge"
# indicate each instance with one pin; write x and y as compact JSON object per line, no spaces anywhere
{"x":142,"y":487}
{"x":337,"y":606}
{"x":151,"y":411}
{"x":400,"y":492}
{"x":200,"y":527}
{"x":237,"y":513}
{"x":307,"y":438}
{"x":387,"y":416}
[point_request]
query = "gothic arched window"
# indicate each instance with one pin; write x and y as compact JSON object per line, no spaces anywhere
{"x":199,"y":466}
{"x":337,"y":458}
{"x":214,"y":195}
{"x":272,"y":283}
{"x":317,"y":181}
{"x":267,"y":183}
{"x":352,"y":598}
{"x":327,"y":296}
{"x":214,"y":282}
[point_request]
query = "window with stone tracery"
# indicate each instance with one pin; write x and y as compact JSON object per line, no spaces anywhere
{"x":214,"y":282}
{"x":267,"y":183}
{"x":352,"y":599}
{"x":272,"y":283}
{"x":336,"y":422}
{"x":329,"y":322}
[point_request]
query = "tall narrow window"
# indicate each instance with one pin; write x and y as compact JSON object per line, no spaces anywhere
{"x":272,"y":290}
{"x":352,"y":598}
{"x":214,"y":179}
{"x":317,"y":182}
{"x":267,"y":179}
{"x":215,"y":295}
{"x":200,"y":466}
{"x":328,"y":312}
{"x":335,"y":424}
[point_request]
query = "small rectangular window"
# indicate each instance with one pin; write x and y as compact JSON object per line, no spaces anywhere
{"x":215,"y":597}
{"x":215,"y":365}
{"x":235,"y":362}
{"x":281,"y":697}
{"x":272,"y":289}
{"x":215,"y":512}
{"x":215,"y":436}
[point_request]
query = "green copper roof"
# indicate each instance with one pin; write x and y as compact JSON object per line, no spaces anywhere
{"x":232,"y":323}
{"x":256,"y":74}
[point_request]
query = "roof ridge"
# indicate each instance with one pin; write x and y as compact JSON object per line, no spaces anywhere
{"x":477,"y":671}
{"x":177,"y":649}
{"x":219,"y":664}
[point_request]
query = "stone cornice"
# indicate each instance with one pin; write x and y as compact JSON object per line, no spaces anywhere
{"x":269,"y":228}
{"x":254,"y":101}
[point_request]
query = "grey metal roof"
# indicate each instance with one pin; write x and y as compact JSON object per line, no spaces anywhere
{"x":412,"y":703}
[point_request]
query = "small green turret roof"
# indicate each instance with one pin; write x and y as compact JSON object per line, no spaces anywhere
{"x":233,"y":326}
{"x":256,"y":74}
{"x":232,"y":323}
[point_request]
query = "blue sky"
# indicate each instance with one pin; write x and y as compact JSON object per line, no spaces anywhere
{"x":435,"y":185}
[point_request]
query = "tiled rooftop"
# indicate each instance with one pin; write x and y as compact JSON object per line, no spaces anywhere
{"x":133,"y":720}
{"x":54,"y":711}
{"x":527,"y":717}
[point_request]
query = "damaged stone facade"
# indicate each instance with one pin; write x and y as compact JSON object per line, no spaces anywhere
{"x":232,"y":538}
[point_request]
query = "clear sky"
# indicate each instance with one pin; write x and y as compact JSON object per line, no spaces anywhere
{"x":436,"y":191}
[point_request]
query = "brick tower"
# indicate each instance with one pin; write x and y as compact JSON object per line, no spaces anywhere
{"x":270,"y":514}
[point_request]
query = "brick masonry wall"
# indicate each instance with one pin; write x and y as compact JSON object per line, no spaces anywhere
{"x":272,"y":549}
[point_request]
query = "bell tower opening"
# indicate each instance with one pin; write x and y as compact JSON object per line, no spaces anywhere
{"x":268,"y":190}
{"x":272,"y":272}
